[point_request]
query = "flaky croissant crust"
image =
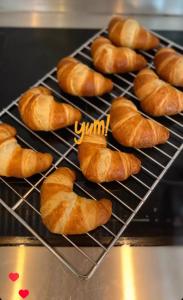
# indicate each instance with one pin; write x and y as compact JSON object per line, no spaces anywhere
{"x":129,"y":33}
{"x":64,"y":212}
{"x":100,"y":164}
{"x":169,"y":66}
{"x":108,"y":58}
{"x":157,"y":97}
{"x":78,"y":79}
{"x":40,"y":111}
{"x":17,"y":161}
{"x":131,"y":129}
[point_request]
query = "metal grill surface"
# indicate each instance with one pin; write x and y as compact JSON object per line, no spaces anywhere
{"x":21,"y":197}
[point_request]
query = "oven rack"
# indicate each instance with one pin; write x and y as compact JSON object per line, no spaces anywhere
{"x":127,"y":196}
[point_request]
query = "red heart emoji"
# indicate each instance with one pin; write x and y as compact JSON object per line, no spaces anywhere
{"x":13,"y":276}
{"x":23,"y":293}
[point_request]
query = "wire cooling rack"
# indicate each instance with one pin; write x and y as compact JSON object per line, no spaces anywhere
{"x":21,"y":197}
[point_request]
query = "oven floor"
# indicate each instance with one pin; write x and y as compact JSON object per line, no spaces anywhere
{"x":128,"y":273}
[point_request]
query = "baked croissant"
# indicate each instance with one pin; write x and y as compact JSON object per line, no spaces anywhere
{"x":78,"y":79}
{"x":129,"y":33}
{"x":108,"y":58}
{"x":64,"y":212}
{"x":100,"y":164}
{"x":40,"y":111}
{"x":6,"y":132}
{"x":169,"y":66}
{"x":16,"y":161}
{"x":157,"y":97}
{"x":131,"y":129}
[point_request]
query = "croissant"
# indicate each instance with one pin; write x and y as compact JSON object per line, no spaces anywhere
{"x":131,"y":129}
{"x":129,"y":33}
{"x":64,"y":212}
{"x":6,"y":132}
{"x":169,"y":66}
{"x":157,"y":97}
{"x":16,"y":161}
{"x":40,"y":111}
{"x":99,"y":164}
{"x":108,"y":58}
{"x":78,"y":79}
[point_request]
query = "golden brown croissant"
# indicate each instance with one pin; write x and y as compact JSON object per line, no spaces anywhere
{"x":78,"y":79}
{"x":64,"y":212}
{"x":169,"y":66}
{"x":157,"y":97}
{"x":100,"y":164}
{"x":6,"y":132}
{"x":108,"y":58}
{"x":40,"y":111}
{"x":129,"y":33}
{"x":16,"y":161}
{"x":131,"y":129}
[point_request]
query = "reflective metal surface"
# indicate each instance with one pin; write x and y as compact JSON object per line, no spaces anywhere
{"x":163,"y":7}
{"x":77,"y":20}
{"x":156,"y":14}
{"x":128,"y":273}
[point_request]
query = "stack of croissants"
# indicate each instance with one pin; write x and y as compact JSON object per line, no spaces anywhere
{"x":62,"y":210}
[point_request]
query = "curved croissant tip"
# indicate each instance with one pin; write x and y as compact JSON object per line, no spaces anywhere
{"x":137,"y":164}
{"x":36,"y":90}
{"x":9,"y":128}
{"x":50,"y":158}
{"x":44,"y":161}
{"x":7,"y":132}
{"x":164,"y":49}
{"x":94,"y":138}
{"x":106,"y":201}
{"x":107,"y":208}
{"x":66,"y":171}
{"x":99,"y":41}
{"x":145,"y":70}
{"x":79,"y":114}
{"x":110,"y":84}
{"x":113,"y":20}
{"x":101,"y":38}
{"x":156,"y":41}
{"x":166,"y":132}
{"x":43,"y":89}
{"x":64,"y":59}
{"x":118,"y":99}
